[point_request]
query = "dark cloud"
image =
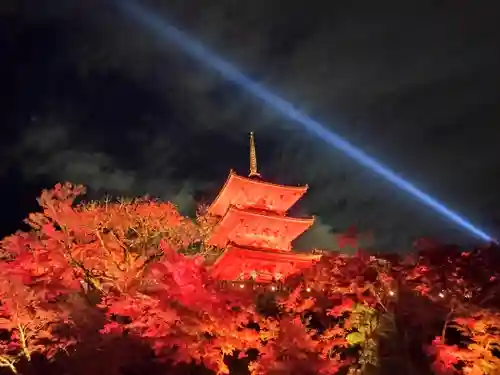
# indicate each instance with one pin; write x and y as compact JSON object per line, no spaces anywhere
{"x":416,"y":85}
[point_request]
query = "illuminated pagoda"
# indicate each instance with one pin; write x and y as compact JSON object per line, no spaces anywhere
{"x":254,"y":230}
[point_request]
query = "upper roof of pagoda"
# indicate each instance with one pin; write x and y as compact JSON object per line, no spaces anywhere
{"x":246,"y":192}
{"x":258,"y":230}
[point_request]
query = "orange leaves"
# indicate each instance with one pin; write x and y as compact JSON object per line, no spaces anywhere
{"x":446,"y":357}
{"x":122,"y":261}
{"x":481,"y":330}
{"x":346,"y":305}
{"x":296,"y":349}
{"x":31,"y":322}
{"x":177,"y":308}
{"x":126,"y":257}
{"x":38,"y":265}
{"x":104,"y":246}
{"x":295,"y":303}
{"x":181,"y":312}
{"x":105,"y":242}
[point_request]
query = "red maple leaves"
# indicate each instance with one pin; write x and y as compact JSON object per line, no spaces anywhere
{"x":116,"y":270}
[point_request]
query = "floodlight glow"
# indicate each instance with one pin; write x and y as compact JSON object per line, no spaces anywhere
{"x":193,"y":48}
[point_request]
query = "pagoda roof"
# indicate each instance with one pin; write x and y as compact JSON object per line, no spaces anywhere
{"x":246,"y":192}
{"x":241,"y":263}
{"x":258,"y":229}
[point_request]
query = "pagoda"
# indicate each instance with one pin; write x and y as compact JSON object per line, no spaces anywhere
{"x":254,"y":229}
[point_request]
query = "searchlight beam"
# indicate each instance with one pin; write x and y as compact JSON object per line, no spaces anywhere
{"x":169,"y":33}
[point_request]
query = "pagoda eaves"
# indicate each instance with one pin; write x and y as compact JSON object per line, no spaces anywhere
{"x":259,"y":230}
{"x":262,"y":266}
{"x":245,"y":192}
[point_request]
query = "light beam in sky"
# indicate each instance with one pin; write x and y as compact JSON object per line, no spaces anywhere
{"x":169,"y":33}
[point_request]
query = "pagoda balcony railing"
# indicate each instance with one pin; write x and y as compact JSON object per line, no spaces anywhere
{"x":253,"y":285}
{"x":256,"y":247}
{"x":259,"y":209}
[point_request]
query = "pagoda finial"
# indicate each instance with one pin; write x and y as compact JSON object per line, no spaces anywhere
{"x":253,"y":158}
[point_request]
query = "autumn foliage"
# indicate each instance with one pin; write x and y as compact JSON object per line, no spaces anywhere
{"x":124,"y":287}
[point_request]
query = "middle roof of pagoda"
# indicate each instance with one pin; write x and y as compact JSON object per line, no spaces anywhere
{"x":245,"y":192}
{"x":258,"y":230}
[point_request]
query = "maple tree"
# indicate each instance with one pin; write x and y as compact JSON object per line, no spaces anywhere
{"x":128,"y":281}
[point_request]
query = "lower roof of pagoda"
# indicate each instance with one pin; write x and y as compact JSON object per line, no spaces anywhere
{"x":247,"y":192}
{"x":252,"y":228}
{"x":238,"y":263}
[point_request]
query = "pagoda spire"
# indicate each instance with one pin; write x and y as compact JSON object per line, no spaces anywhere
{"x":253,"y":158}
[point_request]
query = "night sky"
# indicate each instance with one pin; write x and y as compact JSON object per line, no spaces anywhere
{"x":90,"y":96}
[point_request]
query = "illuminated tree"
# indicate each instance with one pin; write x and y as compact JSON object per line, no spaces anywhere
{"x":128,"y":282}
